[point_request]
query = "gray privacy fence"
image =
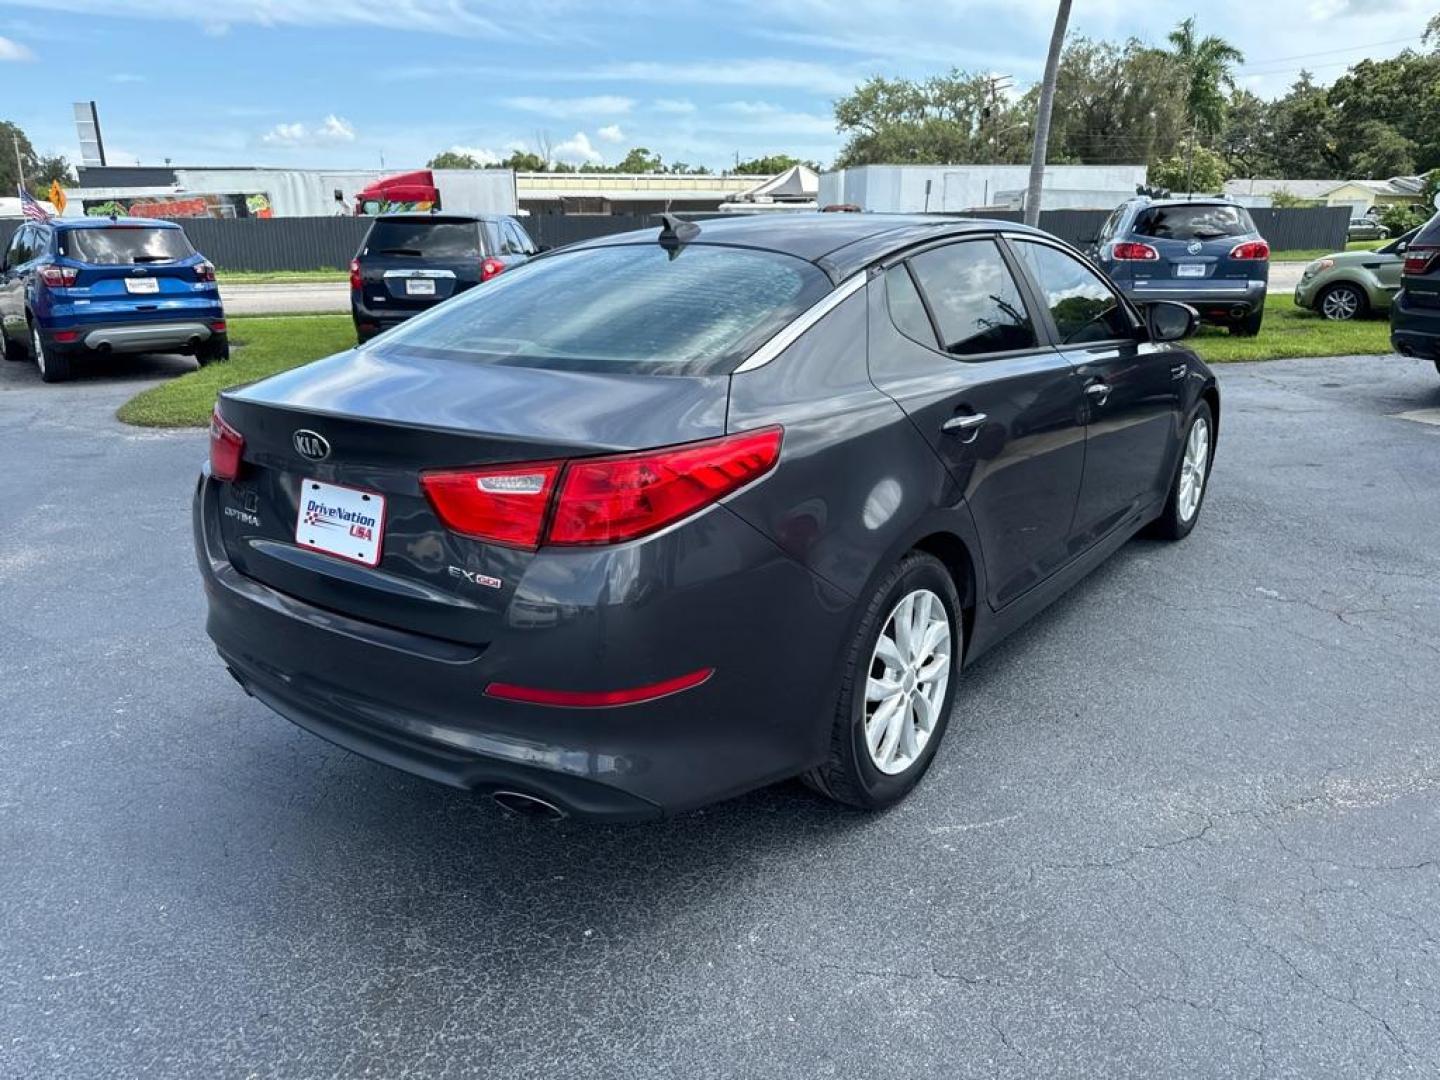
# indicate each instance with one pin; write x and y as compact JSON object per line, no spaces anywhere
{"x":314,"y":243}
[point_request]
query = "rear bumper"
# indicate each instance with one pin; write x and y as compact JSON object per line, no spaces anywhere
{"x":186,"y":336}
{"x":370,"y":320}
{"x":1215,"y":300}
{"x":769,"y":630}
{"x":1414,"y":330}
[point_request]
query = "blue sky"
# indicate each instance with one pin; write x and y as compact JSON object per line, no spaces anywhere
{"x":339,"y":84}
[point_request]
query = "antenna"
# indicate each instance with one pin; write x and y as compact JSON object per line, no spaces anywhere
{"x":676,"y":233}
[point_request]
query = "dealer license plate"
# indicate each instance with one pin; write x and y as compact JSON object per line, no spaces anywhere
{"x":341,"y":521}
{"x":142,"y":285}
{"x":1189,"y":269}
{"x":419,"y":286}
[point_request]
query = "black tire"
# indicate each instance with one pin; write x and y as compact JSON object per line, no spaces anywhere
{"x":849,"y":775}
{"x":1437,"y":365}
{"x":54,"y":365}
{"x":1172,"y":524}
{"x":1332,"y":303}
{"x":1249,"y":326}
{"x":211,"y":353}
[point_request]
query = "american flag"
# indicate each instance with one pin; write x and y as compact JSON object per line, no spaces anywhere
{"x":30,"y":208}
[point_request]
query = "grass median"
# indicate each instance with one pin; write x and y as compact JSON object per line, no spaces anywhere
{"x":259,"y":346}
{"x":264,"y":345}
{"x":281,"y":277}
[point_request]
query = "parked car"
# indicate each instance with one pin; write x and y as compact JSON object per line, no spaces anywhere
{"x":1202,"y":252}
{"x":1366,"y":227}
{"x":660,"y":518}
{"x":1415,"y":314}
{"x":1352,"y":284}
{"x":411,"y":262}
{"x":77,"y":287}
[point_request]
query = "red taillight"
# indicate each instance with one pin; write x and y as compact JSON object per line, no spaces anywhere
{"x":1126,"y":251}
{"x":218,"y":326}
{"x":490,"y":267}
{"x":58,"y":277}
{"x":355,"y":274}
{"x":610,"y":499}
{"x":1419,"y":260}
{"x":600,"y":500}
{"x":1253,"y":250}
{"x":596,"y":699}
{"x":506,"y":505}
{"x":226,"y":446}
{"x":205,"y":272}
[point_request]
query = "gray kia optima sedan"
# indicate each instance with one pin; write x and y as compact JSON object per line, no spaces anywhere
{"x":669,"y":515}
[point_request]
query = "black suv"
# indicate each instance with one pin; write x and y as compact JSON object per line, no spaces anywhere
{"x":411,"y":262}
{"x":1415,"y":314}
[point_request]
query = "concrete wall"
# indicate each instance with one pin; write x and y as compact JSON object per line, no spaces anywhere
{"x":901,"y":188}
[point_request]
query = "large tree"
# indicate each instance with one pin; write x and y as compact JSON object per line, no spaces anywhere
{"x":454,"y":159}
{"x":1207,"y":64}
{"x":40,"y":169}
{"x":1116,"y":104}
{"x":772,"y":164}
{"x":951,"y":118}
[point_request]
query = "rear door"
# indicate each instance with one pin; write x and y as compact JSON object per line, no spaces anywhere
{"x":12,"y":284}
{"x":1132,"y":390}
{"x":409,"y":264}
{"x":1195,"y":242}
{"x":125,"y":268}
{"x":962,"y":355}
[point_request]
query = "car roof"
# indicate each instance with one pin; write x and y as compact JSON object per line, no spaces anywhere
{"x":109,"y":222}
{"x":1209,"y":200}
{"x":838,"y":243}
{"x":440,"y":215}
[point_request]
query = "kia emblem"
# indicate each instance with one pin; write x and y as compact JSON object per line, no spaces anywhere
{"x":311,"y":444}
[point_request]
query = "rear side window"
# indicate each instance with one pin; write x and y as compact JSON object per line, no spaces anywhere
{"x":1084,"y":308}
{"x":123,"y":245}
{"x":907,"y":310}
{"x":977,"y":305}
{"x":633,"y":307}
{"x":424,"y":239}
{"x":1429,"y":234}
{"x":1194,"y":221}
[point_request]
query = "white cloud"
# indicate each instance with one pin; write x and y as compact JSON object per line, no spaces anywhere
{"x":577,"y":150}
{"x":13,"y":51}
{"x":333,"y":129}
{"x":778,"y":120}
{"x":673,"y":106}
{"x":123,"y":77}
{"x":479,"y":153}
{"x":611,"y":133}
{"x":794,"y":74}
{"x":562,"y":108}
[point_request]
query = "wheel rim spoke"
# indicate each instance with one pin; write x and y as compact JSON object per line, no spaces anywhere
{"x":908,"y":680}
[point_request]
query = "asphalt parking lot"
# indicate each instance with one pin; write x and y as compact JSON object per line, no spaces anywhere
{"x":1187,"y":823}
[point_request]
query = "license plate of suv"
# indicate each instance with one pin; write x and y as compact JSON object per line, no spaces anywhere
{"x":341,"y":521}
{"x":419,"y":286}
{"x":1189,"y":269}
{"x":142,"y":285}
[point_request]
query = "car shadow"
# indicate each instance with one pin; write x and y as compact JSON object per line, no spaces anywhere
{"x":116,"y":370}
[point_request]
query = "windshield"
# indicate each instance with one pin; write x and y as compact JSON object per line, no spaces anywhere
{"x":431,"y":239}
{"x":636,"y":307}
{"x":1200,"y":221}
{"x":125,"y":245}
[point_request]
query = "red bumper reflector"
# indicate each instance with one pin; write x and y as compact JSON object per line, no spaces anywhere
{"x":65,"y":337}
{"x":596,"y":699}
{"x":218,"y":327}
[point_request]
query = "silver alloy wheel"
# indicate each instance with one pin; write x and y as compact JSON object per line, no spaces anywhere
{"x":38,"y":348}
{"x":1340,"y":304}
{"x":1193,"y":467}
{"x":909,"y":675}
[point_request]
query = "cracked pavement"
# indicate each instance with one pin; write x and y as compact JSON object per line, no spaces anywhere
{"x":1187,"y":823}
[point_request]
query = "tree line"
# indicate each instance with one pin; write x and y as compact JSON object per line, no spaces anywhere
{"x":640,"y":159}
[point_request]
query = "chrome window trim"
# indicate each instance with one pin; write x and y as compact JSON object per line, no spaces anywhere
{"x":420,"y":274}
{"x":797,"y":327}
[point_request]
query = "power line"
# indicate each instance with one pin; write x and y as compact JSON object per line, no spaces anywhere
{"x":1326,"y":52}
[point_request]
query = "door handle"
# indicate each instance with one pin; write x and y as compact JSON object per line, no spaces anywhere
{"x":1098,"y":392}
{"x":964,"y":423}
{"x":1179,"y":371}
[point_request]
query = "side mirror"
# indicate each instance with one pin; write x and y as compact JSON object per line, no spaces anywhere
{"x":1168,"y":320}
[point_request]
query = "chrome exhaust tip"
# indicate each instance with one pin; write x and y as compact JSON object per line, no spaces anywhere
{"x":527,"y":805}
{"x":1239,"y":311}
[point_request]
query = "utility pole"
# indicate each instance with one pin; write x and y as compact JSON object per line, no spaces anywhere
{"x":19,"y":161}
{"x":1042,"y":115}
{"x":995,"y":85}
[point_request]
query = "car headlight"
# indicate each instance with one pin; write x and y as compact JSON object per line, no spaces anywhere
{"x":1318,"y":265}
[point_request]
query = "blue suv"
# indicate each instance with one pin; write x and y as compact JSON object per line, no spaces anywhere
{"x":98,"y":286}
{"x":1201,"y":252}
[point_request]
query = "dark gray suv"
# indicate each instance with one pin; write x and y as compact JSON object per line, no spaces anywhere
{"x":1202,"y":252}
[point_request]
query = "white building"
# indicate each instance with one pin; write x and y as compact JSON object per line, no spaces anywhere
{"x":953,"y":188}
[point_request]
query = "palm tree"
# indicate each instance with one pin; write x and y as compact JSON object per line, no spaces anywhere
{"x":1206,"y":63}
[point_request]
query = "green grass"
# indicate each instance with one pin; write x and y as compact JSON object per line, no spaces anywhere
{"x":1290,"y":331}
{"x":259,"y":346}
{"x":279,"y":277}
{"x":264,"y":345}
{"x":1311,"y":254}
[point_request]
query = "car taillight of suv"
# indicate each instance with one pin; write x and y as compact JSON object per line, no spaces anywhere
{"x":1420,"y":260}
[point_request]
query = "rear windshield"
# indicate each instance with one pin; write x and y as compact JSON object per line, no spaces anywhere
{"x":1194,"y":222}
{"x":1429,"y":234}
{"x":634,"y":307}
{"x":424,"y":239}
{"x":124,"y":245}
